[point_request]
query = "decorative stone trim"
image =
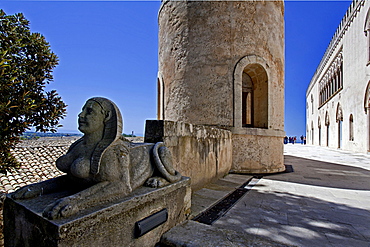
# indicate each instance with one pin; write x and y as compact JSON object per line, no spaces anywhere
{"x":238,"y":72}
{"x":332,"y":80}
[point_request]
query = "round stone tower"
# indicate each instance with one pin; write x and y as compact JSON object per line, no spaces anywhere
{"x":221,"y":63}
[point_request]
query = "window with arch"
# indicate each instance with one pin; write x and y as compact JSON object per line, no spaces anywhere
{"x":251,"y":98}
{"x":247,"y":100}
{"x":367,"y":111}
{"x":254,"y":97}
{"x":327,"y":124}
{"x":332,"y":81}
{"x":311,"y":104}
{"x":367,"y":34}
{"x":312,"y":133}
{"x":160,"y":98}
{"x":339,"y":119}
{"x":351,"y":137}
{"x":319,"y":126}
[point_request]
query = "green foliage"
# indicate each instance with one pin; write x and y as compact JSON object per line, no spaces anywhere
{"x":128,"y":135}
{"x":26,"y":64}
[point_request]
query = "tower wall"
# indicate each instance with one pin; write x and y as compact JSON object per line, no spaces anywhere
{"x":204,"y":48}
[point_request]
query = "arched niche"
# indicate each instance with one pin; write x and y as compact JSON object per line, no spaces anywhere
{"x":327,"y":124}
{"x":160,"y":97}
{"x":367,"y":99}
{"x":339,"y":113}
{"x":339,"y":119}
{"x":251,"y":93}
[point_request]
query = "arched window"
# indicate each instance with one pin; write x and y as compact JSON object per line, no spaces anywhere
{"x":319,"y":126}
{"x":339,"y":119}
{"x":312,"y":133}
{"x":351,"y":137}
{"x":247,"y":100}
{"x":311,"y":104}
{"x":327,"y":124}
{"x":341,"y":75}
{"x":367,"y":33}
{"x":160,"y":97}
{"x":331,"y":86}
{"x":332,"y":81}
{"x":255,"y":96}
{"x":367,"y":111}
{"x":251,"y":105}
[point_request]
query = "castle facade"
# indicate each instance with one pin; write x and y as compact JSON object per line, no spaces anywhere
{"x":338,"y":96}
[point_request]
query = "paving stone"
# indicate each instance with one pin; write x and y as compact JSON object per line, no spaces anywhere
{"x":340,"y":241}
{"x":194,"y":234}
{"x":321,"y":203}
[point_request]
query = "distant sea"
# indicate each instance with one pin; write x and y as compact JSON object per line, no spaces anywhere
{"x":29,"y":135}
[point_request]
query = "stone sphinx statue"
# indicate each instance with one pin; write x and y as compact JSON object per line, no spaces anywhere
{"x":102,"y":165}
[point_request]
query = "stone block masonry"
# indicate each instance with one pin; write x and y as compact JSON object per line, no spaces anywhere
{"x":221,"y":63}
{"x":202,"y":153}
{"x":258,"y":154}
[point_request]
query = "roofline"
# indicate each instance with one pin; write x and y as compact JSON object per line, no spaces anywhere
{"x":339,"y":33}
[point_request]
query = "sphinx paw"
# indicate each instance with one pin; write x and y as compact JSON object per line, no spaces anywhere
{"x":156,"y":182}
{"x":60,"y":209}
{"x":28,"y":191}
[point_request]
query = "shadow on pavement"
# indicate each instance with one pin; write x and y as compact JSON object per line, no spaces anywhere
{"x":325,"y":174}
{"x":298,"y":220}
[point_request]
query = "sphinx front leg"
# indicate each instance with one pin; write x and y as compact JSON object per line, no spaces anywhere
{"x":38,"y":189}
{"x":94,"y":195}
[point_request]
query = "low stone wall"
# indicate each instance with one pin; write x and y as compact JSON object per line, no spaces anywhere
{"x":202,"y":153}
{"x":258,"y":151}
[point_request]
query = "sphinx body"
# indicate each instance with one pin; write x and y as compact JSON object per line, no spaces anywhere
{"x":102,"y":165}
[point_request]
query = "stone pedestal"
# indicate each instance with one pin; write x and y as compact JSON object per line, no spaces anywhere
{"x":111,"y":224}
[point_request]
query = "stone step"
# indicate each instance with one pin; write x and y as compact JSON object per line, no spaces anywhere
{"x":195,"y":234}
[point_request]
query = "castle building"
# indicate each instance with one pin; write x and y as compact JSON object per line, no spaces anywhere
{"x":338,"y":96}
{"x":221,"y":64}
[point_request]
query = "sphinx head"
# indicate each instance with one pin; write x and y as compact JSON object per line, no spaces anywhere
{"x":92,"y":117}
{"x":100,"y":114}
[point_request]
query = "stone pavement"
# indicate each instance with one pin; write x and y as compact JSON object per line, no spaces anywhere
{"x":325,"y":201}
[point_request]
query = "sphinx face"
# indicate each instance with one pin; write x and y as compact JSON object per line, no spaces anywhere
{"x":91,"y":119}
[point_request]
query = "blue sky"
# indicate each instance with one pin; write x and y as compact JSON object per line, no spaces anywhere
{"x":109,"y":48}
